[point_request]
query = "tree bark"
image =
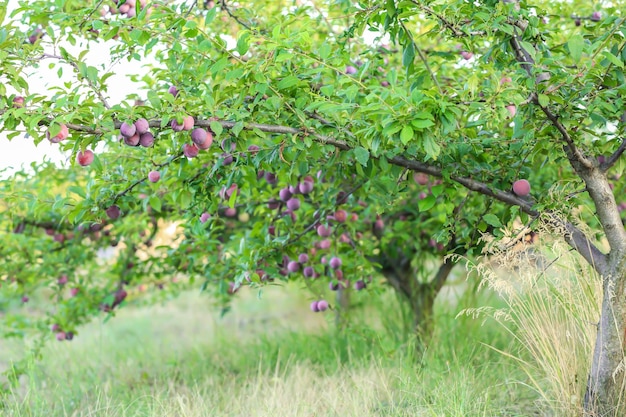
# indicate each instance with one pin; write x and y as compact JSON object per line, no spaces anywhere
{"x":422,"y":306}
{"x":343,"y":304}
{"x":419,"y":295}
{"x":606,"y":385}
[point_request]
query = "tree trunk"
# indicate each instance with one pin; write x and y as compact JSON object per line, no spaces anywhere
{"x":422,"y":306}
{"x":343,"y":303}
{"x":419,"y":295}
{"x":605,"y":391}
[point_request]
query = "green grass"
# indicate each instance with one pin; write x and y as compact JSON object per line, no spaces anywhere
{"x":271,"y":357}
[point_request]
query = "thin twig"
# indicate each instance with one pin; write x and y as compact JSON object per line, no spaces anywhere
{"x":422,"y":57}
{"x":75,"y":65}
{"x":231,"y":14}
{"x":195,"y":2}
{"x":451,"y":26}
{"x":527,"y":62}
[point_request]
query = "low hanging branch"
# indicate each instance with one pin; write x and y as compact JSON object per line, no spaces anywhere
{"x":574,"y":236}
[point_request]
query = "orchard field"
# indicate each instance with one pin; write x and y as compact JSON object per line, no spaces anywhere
{"x":272,"y":357}
{"x":312,"y":207}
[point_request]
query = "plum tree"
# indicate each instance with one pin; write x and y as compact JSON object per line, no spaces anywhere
{"x":337,"y":122}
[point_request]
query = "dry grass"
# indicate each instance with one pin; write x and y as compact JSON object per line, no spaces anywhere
{"x":271,"y":357}
{"x":552,"y":306}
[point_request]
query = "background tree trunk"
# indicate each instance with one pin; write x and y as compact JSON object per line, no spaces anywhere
{"x":419,"y":295}
{"x":422,"y":306}
{"x":342,"y":301}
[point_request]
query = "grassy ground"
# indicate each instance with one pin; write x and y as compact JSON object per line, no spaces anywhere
{"x":271,"y":357}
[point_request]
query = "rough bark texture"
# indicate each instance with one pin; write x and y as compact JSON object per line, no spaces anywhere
{"x":607,"y":383}
{"x":605,"y":391}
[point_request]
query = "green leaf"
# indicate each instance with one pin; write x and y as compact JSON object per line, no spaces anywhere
{"x":422,"y":124}
{"x":362,"y":155}
{"x":219,"y":66}
{"x":431,"y":147}
{"x":492,"y":220}
{"x":216,"y":128}
{"x":575,"y":46}
{"x":408,"y":55}
{"x":77,"y":190}
{"x":391,"y":8}
{"x":236,"y":130}
{"x":154,"y":99}
{"x":210,"y":16}
{"x":155,"y":203}
{"x":242,"y":43}
{"x":287,"y":82}
{"x":184,"y":199}
{"x":232,"y":199}
{"x":543,"y":100}
{"x":613,"y":59}
{"x":407,"y":134}
{"x":427,"y":203}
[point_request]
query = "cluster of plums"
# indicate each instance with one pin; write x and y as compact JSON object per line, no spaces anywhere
{"x":137,"y":133}
{"x":317,"y":306}
{"x":60,"y":334}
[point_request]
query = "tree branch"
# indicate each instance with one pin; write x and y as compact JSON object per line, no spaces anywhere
{"x":194,"y":4}
{"x":442,"y":274}
{"x":578,"y":240}
{"x":573,"y":149}
{"x":231,"y":14}
{"x":422,"y":57}
{"x":525,"y":59}
{"x":451,"y":26}
{"x":612,"y":160}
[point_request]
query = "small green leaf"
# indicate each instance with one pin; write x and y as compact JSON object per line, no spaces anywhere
{"x":422,"y":124}
{"x":575,"y":46}
{"x":77,"y":190}
{"x":155,"y":203}
{"x":362,"y":155}
{"x":184,"y":199}
{"x":543,"y":100}
{"x":236,"y":130}
{"x":242,"y":43}
{"x":154,"y":99}
{"x":408,"y":55}
{"x":427,"y":203}
{"x":216,"y":128}
{"x":210,"y":16}
{"x":232,"y":199}
{"x":407,"y":134}
{"x":492,"y":220}
{"x":287,"y":82}
{"x":613,"y":59}
{"x":391,"y":8}
{"x":431,"y":147}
